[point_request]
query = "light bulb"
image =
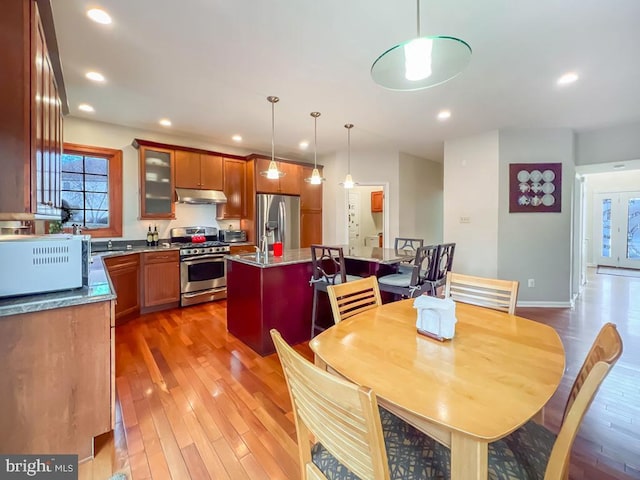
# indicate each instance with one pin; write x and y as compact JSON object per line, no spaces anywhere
{"x":315,"y":177}
{"x":348,"y":181}
{"x":417,"y":59}
{"x":272,"y":172}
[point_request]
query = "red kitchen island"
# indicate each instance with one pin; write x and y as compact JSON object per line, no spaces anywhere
{"x":262,"y":295}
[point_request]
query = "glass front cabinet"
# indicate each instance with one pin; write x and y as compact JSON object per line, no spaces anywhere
{"x":156,"y":182}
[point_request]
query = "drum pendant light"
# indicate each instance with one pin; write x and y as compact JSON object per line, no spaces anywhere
{"x":315,"y":178}
{"x":422,"y":62}
{"x":273,"y":173}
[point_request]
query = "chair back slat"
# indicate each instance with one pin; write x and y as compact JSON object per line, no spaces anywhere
{"x":351,"y":298}
{"x":603,"y":355}
{"x":408,"y":244}
{"x":342,"y":416}
{"x":485,"y":292}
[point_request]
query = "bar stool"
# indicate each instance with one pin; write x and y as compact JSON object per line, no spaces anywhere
{"x":408,"y":245}
{"x":411,"y":282}
{"x":328,"y":269}
{"x":443,"y":265}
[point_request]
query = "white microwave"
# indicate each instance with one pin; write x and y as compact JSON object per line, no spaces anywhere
{"x":42,"y":263}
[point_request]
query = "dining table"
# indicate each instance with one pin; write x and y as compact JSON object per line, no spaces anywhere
{"x":494,"y":375}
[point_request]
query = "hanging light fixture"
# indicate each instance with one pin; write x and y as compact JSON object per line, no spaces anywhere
{"x":348,"y":181}
{"x":422,"y":62}
{"x":315,"y":178}
{"x":272,"y":173}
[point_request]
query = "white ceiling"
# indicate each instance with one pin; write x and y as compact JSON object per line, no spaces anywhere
{"x":209,"y":65}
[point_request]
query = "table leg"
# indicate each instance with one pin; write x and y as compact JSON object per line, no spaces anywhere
{"x":469,"y":458}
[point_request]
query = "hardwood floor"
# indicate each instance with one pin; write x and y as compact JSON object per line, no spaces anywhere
{"x":195,"y":403}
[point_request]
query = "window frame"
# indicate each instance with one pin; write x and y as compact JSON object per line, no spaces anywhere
{"x":114,"y":160}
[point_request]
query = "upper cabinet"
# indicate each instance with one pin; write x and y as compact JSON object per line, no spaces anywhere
{"x":33,"y":101}
{"x":234,"y":190}
{"x":289,"y":184}
{"x":156,"y":182}
{"x":377,"y":199}
{"x":198,"y":170}
{"x":310,"y":195}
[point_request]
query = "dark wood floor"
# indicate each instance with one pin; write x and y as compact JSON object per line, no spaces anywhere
{"x":195,"y":403}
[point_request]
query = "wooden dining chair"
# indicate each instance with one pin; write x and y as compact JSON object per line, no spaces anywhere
{"x":534,"y":452}
{"x":354,"y":436}
{"x":486,"y":292}
{"x":351,"y":298}
{"x":328,"y":268}
{"x":414,"y":281}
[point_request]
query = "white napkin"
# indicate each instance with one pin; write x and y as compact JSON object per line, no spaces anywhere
{"x":436,"y":315}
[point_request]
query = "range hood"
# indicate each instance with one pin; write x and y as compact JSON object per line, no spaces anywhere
{"x":200,"y":197}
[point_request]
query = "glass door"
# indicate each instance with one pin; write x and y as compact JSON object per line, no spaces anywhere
{"x":618,"y":229}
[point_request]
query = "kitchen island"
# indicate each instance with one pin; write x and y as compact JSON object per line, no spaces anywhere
{"x":275,"y":292}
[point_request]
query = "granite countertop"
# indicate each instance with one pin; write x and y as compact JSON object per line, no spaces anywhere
{"x":303,"y":255}
{"x":99,"y":289}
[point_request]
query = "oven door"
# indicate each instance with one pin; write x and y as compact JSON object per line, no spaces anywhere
{"x":202,"y":272}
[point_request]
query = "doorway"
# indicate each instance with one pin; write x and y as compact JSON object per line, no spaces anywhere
{"x":365,"y":216}
{"x":617,"y":229}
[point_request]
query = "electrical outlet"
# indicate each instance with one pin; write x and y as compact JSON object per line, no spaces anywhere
{"x":465,"y":219}
{"x":531,"y":283}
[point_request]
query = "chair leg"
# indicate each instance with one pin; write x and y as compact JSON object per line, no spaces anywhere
{"x":314,"y":312}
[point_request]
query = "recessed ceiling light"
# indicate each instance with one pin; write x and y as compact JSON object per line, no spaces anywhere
{"x":567,"y":78}
{"x":165,"y":122}
{"x":444,"y":114}
{"x":95,"y":76}
{"x":85,"y":107}
{"x":99,"y":16}
{"x":303,"y":145}
{"x":236,"y":138}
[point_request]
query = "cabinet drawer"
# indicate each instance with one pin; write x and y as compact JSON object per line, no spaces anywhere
{"x":124,"y":261}
{"x":161,"y":257}
{"x":237,"y":249}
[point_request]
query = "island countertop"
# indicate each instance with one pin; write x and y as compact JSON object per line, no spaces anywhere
{"x":384,"y":256}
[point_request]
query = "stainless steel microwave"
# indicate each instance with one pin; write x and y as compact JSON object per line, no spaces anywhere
{"x":43,"y":263}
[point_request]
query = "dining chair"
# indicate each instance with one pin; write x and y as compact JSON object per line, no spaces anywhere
{"x":328,"y":269}
{"x":407,"y":246}
{"x":532,"y":451}
{"x":486,"y":292}
{"x":354,"y":437}
{"x":443,"y":265}
{"x":412,"y":282}
{"x":351,"y":298}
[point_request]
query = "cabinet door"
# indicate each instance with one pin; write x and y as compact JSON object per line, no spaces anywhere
{"x":290,"y":182}
{"x":125,"y":277}
{"x":161,"y":273}
{"x":310,"y":195}
{"x":264,"y":184}
{"x":187,"y":169}
{"x":156,"y":183}
{"x":310,"y":228}
{"x":234,"y":176}
{"x":211,"y":176}
{"x":376,"y":201}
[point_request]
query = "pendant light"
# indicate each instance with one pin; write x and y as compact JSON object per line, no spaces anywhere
{"x":272,"y":173}
{"x":315,"y":178}
{"x":348,"y":181}
{"x":422,"y":62}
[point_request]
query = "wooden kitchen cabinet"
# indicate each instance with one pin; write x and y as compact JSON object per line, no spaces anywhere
{"x":156,"y":182}
{"x":377,"y":200}
{"x":124,"y":272}
{"x":289,"y":184}
{"x":310,"y":228}
{"x":32,"y":106}
{"x":244,"y":248}
{"x":310,"y":195}
{"x":198,"y":170}
{"x":160,"y":279}
{"x":234,"y":190}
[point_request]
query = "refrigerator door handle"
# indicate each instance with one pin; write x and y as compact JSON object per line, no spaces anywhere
{"x":282,"y":227}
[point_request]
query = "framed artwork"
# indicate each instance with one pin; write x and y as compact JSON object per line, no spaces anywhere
{"x":535,"y":187}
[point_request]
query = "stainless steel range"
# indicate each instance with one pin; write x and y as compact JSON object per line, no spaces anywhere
{"x":203,"y":274}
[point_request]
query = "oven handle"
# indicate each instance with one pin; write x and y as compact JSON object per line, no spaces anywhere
{"x":215,"y":256}
{"x":203,"y":292}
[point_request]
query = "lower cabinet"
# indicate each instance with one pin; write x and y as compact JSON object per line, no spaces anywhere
{"x":238,"y":249}
{"x":160,"y":279}
{"x":124,"y":272}
{"x":57,"y":379}
{"x":310,"y":228}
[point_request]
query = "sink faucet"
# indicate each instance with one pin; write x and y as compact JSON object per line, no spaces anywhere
{"x":265,"y":246}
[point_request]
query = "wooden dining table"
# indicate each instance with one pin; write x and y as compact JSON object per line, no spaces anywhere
{"x":497,"y":373}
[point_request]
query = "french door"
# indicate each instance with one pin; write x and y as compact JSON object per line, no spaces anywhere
{"x":617,"y":229}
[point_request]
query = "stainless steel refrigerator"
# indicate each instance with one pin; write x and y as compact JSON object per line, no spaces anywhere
{"x":278,"y":216}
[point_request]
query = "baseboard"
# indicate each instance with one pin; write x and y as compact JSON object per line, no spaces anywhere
{"x":567,"y":304}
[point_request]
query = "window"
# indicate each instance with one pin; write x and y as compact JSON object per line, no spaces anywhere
{"x":91,"y":187}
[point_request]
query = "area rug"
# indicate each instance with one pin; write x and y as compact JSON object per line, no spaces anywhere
{"x":118,"y":476}
{"x":620,"y":272}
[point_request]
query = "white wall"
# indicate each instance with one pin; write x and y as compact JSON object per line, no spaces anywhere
{"x":421,"y":199}
{"x":113,"y":136}
{"x":613,"y":144}
{"x":537,"y":245}
{"x":471,"y":177}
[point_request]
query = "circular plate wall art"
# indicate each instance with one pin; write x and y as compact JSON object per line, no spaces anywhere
{"x":535,"y":187}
